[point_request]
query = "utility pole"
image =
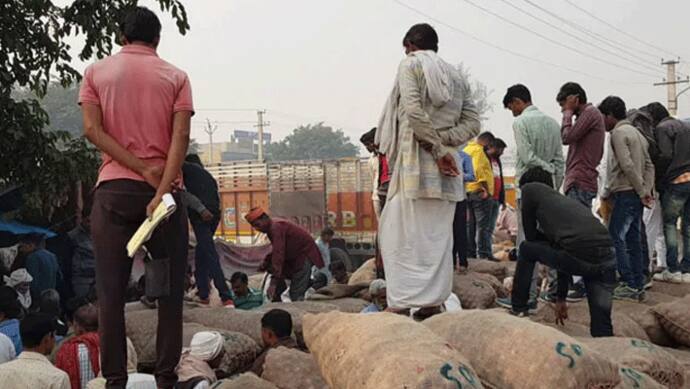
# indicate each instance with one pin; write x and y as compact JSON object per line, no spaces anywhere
{"x":210,"y":129}
{"x":671,"y":81}
{"x":260,"y":126}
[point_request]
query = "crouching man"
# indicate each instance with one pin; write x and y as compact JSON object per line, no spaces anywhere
{"x":292,"y":256}
{"x":565,"y":236}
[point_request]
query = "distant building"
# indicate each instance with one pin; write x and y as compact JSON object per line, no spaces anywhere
{"x":243,"y":145}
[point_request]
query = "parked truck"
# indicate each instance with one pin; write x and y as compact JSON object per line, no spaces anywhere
{"x":313,"y":194}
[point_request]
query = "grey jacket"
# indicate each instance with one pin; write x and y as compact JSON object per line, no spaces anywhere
{"x":630,"y":166}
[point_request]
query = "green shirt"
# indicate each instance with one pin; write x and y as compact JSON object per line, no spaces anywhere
{"x":253,"y":299}
{"x":538,"y":139}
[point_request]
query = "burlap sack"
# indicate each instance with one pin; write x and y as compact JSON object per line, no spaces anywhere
{"x":244,"y":381}
{"x":384,"y":351}
{"x":676,"y":290}
{"x":141,"y":327}
{"x":349,"y":304}
{"x":249,"y":322}
{"x":651,"y":299}
{"x":336,"y":291}
{"x":633,"y":379}
{"x":365,"y":273}
{"x":643,"y":357}
{"x":485,"y":266}
{"x":645,"y":317}
{"x":509,"y":266}
{"x":675,"y":319}
{"x":304,"y":306}
{"x":472,"y":292}
{"x":244,"y":322}
{"x":569,"y":328}
{"x":510,"y":352}
{"x":292,"y":369}
{"x":138,"y":306}
{"x":683,"y":357}
{"x":493,"y":281}
{"x":654,"y":297}
{"x":578,"y":313}
{"x":135,"y":306}
{"x":240,"y":349}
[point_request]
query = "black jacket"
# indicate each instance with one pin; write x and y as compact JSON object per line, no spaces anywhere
{"x":562,"y":221}
{"x":201,"y":184}
{"x":673,"y":139}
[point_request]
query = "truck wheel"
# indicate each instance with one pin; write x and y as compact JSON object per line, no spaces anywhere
{"x":340,"y":255}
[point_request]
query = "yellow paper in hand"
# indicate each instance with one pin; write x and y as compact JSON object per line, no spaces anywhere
{"x":166,"y":207}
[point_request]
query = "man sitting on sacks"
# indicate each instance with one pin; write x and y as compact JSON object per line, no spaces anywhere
{"x":276,"y":331}
{"x":568,"y":238}
{"x":197,"y":364}
{"x":292,"y":256}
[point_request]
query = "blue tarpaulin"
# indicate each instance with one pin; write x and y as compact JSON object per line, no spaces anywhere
{"x":22,"y":229}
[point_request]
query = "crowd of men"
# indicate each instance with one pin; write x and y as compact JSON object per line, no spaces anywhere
{"x":634,"y":162}
{"x":439,"y":188}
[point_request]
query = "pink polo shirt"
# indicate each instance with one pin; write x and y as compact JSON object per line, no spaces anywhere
{"x":138,"y":94}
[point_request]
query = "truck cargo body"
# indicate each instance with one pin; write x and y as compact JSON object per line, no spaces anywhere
{"x":313,"y":194}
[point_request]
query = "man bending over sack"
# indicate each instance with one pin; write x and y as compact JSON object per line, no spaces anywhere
{"x":294,"y":253}
{"x":565,"y":236}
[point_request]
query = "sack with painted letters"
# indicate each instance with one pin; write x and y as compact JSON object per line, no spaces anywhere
{"x":642,"y":356}
{"x":384,"y":351}
{"x":511,"y":352}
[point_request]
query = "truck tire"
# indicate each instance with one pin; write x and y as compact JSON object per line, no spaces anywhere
{"x":340,"y":255}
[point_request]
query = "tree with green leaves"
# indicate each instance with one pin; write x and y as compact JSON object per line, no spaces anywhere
{"x":479,"y":90}
{"x":59,"y":105}
{"x":34,"y":37}
{"x":313,"y":141}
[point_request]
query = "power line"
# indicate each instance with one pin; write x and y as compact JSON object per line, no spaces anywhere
{"x":595,"y":17}
{"x":608,"y":51}
{"x":549,"y":39}
{"x":509,"y":51}
{"x":594,"y":35}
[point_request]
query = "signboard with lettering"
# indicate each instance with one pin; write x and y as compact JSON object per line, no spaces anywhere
{"x":251,"y":135}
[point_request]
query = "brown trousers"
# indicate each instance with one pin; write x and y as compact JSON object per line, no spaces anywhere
{"x":119,"y":208}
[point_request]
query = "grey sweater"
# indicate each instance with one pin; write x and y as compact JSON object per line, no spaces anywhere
{"x":630,"y":166}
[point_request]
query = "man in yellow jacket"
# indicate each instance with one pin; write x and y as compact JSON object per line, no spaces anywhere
{"x":479,"y":198}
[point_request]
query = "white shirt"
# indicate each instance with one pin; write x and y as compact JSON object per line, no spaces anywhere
{"x":7,"y":352}
{"x":32,"y":370}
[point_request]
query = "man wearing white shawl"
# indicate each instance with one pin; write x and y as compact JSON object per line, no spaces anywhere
{"x":428,"y":115}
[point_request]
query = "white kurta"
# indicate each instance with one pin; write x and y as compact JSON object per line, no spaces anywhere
{"x":430,"y":102}
{"x":417,"y":251}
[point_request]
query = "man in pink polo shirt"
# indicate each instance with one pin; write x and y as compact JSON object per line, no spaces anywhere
{"x":137,"y":110}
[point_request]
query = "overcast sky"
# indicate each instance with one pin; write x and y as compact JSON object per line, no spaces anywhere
{"x":334,"y":61}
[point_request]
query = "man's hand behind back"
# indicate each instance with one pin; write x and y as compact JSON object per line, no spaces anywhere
{"x":448,"y":166}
